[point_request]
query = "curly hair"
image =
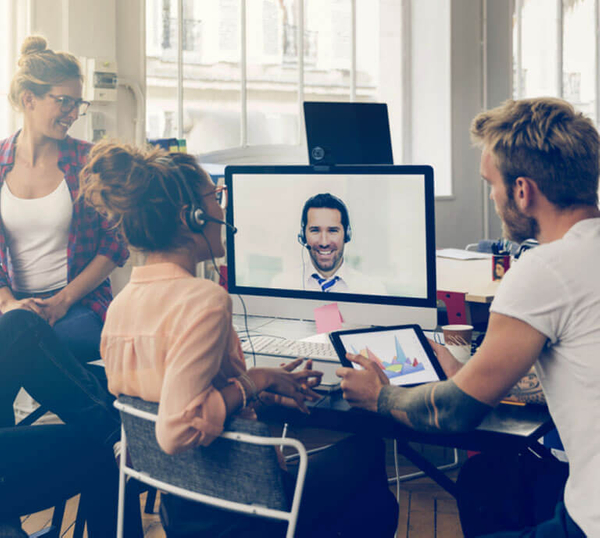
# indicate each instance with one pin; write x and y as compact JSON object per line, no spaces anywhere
{"x":142,"y":192}
{"x":546,"y":140}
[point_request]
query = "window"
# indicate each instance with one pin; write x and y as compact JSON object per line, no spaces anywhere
{"x":555,"y":48}
{"x":247,"y":66}
{"x":6,"y":36}
{"x":270,"y":75}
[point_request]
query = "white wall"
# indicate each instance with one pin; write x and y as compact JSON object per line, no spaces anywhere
{"x":460,"y":220}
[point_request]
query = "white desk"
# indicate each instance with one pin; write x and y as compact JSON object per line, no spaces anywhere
{"x":472,"y":277}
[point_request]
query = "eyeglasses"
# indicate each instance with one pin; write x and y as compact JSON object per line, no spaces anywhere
{"x":67,"y":104}
{"x":220,"y":194}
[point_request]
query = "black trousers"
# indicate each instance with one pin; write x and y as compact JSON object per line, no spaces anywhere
{"x":41,"y":464}
{"x":346,"y":495}
{"x":32,"y":357}
{"x":511,"y":494}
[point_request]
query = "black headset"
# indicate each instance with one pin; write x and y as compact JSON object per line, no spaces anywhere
{"x":327,"y":201}
{"x":195,"y":216}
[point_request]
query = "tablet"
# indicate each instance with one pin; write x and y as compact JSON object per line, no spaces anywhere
{"x":402,"y":352}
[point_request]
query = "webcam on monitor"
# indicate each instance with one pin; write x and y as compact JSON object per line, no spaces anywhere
{"x":347,"y":133}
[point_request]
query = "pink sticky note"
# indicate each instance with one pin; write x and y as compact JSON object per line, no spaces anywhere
{"x":328,"y":318}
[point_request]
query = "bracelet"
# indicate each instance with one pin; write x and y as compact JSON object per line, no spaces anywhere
{"x":239,"y":385}
{"x":250,"y":385}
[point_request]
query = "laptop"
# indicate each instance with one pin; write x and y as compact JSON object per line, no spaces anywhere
{"x":348,"y":133}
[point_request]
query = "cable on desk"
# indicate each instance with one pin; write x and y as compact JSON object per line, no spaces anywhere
{"x":248,"y":330}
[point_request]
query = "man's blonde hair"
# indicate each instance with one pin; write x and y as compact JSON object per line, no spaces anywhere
{"x":546,"y":140}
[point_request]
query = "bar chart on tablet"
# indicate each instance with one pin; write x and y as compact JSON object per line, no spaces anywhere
{"x":397,"y":365}
{"x":398,"y":352}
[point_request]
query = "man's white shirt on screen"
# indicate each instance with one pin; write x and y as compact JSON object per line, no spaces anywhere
{"x":345,"y":280}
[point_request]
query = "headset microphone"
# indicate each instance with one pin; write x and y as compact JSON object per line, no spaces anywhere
{"x":195,"y":217}
{"x":200,"y":217}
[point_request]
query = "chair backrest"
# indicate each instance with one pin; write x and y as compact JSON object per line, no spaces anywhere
{"x":238,"y":471}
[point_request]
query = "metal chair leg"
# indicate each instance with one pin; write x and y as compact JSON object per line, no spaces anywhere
{"x":150,"y":501}
{"x":420,"y":474}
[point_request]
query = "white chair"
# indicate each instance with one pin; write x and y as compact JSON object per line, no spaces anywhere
{"x":239,"y":471}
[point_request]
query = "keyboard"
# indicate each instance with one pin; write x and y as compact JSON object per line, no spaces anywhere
{"x":280,"y":347}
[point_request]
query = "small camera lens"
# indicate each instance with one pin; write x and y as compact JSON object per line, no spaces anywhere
{"x":318,"y":153}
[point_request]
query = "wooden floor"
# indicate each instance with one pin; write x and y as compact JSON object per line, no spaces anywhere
{"x":426,"y":510}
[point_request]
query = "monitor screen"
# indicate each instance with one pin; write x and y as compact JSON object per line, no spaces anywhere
{"x":354,"y":235}
{"x":348,"y":133}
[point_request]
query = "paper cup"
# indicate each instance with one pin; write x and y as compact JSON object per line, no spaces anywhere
{"x":457,"y":339}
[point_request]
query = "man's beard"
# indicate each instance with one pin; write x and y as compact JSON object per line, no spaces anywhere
{"x":324,"y":268}
{"x":516,"y":226}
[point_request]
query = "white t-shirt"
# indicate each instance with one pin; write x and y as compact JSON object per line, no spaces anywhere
{"x":37,"y":234}
{"x":555,"y":288}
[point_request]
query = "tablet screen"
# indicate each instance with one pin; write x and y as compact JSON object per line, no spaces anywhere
{"x":399,"y":352}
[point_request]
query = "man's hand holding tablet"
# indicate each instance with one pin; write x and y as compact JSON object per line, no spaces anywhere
{"x":375,"y":357}
{"x":361,"y":387}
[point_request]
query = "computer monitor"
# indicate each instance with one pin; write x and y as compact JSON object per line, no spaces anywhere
{"x":348,"y":133}
{"x":382,"y":250}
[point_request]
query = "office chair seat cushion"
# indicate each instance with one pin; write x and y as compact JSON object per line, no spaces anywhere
{"x":226,"y":469}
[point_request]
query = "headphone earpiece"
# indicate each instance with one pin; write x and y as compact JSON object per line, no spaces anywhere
{"x":348,"y":233}
{"x":302,"y":237}
{"x":195,"y":218}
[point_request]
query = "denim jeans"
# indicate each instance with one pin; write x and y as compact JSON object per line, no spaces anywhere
{"x":79,"y":329}
{"x":33,"y":357}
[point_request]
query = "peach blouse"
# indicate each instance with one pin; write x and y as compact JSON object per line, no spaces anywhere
{"x":168,"y":338}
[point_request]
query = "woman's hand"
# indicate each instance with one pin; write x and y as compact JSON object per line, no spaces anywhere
{"x":53,"y":308}
{"x":284,"y":386}
{"x":270,"y":398}
{"x":24,"y":304}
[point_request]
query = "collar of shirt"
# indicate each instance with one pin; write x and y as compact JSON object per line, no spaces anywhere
{"x":159,"y":271}
{"x":310,"y":282}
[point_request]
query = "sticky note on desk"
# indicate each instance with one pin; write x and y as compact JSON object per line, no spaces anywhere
{"x":328,"y":318}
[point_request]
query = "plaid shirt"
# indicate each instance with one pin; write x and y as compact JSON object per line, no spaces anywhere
{"x":90,"y":234}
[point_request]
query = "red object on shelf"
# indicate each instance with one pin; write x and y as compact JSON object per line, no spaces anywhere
{"x":223,"y":276}
{"x":455,"y":306}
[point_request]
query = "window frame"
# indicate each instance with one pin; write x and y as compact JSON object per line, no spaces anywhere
{"x":559,"y":81}
{"x":404,"y":151}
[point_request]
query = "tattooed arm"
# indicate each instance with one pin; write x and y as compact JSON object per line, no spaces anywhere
{"x":528,"y":390}
{"x":507,"y":353}
{"x":433,"y":407}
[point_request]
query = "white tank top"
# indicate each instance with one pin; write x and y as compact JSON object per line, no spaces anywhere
{"x":37,"y":235}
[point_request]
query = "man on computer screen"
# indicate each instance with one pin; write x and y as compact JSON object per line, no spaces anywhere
{"x":324,"y":231}
{"x":540,"y":158}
